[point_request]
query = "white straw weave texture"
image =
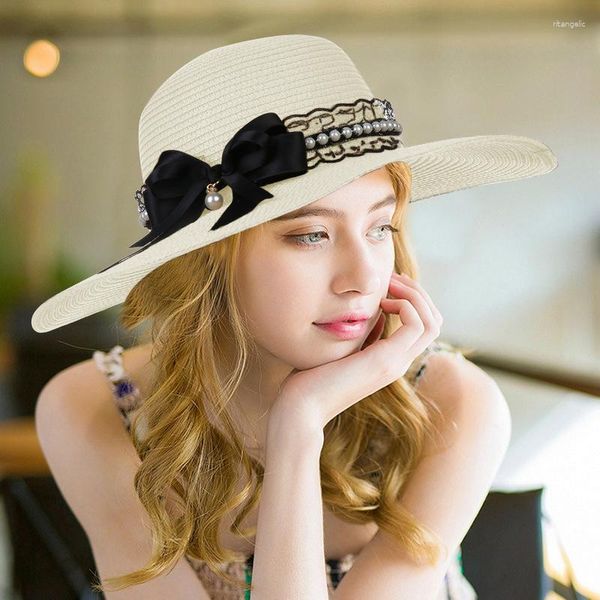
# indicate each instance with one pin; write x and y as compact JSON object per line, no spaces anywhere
{"x":200,"y":106}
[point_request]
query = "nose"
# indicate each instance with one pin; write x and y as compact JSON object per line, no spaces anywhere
{"x":358,"y":267}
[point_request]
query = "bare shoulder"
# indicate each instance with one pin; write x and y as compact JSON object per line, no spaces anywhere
{"x":94,"y":463}
{"x":465,"y":394}
{"x":72,"y":395}
{"x":83,"y":437}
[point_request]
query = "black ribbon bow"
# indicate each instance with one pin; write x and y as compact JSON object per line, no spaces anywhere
{"x":262,"y":151}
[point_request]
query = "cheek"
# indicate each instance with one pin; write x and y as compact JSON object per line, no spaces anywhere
{"x":277,"y":296}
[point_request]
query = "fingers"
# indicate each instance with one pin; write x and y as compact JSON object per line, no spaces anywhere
{"x":415,"y":284}
{"x":427,"y":328}
{"x":400,"y":289}
{"x":402,"y":282}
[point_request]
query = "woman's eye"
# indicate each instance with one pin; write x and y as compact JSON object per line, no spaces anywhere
{"x":307,"y":239}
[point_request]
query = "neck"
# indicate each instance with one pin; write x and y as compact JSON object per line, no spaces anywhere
{"x":255,"y":396}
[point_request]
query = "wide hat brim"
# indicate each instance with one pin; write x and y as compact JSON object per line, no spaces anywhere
{"x":437,"y":167}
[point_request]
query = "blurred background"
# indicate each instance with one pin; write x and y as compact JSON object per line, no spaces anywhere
{"x":514,"y":268}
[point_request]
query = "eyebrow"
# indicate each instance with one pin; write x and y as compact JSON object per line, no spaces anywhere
{"x":331,"y":212}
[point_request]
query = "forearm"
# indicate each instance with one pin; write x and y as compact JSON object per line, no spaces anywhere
{"x":289,"y":555}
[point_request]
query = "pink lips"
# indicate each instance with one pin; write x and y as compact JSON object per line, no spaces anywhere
{"x":356,"y":315}
{"x":345,"y":330}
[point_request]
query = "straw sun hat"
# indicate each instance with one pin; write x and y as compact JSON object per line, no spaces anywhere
{"x":250,"y":131}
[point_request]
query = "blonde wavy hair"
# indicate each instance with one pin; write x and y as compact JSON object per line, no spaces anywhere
{"x":369,"y":451}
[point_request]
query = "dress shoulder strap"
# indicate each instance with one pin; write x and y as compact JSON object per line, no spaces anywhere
{"x":125,"y":393}
{"x":416,"y":370}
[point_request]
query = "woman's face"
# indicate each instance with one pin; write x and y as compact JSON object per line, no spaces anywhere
{"x":293,"y":272}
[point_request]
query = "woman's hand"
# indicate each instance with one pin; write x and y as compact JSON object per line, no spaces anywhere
{"x":317,"y":395}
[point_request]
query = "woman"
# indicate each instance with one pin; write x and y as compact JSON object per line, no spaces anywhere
{"x":258,"y":417}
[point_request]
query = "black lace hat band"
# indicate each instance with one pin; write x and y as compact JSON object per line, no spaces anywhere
{"x":265,"y":150}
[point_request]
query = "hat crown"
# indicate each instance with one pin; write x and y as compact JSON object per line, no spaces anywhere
{"x":200,"y":106}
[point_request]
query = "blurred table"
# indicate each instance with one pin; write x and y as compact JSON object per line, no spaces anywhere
{"x":20,"y":450}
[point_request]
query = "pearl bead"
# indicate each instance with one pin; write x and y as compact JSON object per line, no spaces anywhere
{"x":357,"y":129}
{"x":143,"y":218}
{"x":213,"y":200}
{"x":322,"y":138}
{"x":334,"y":135}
